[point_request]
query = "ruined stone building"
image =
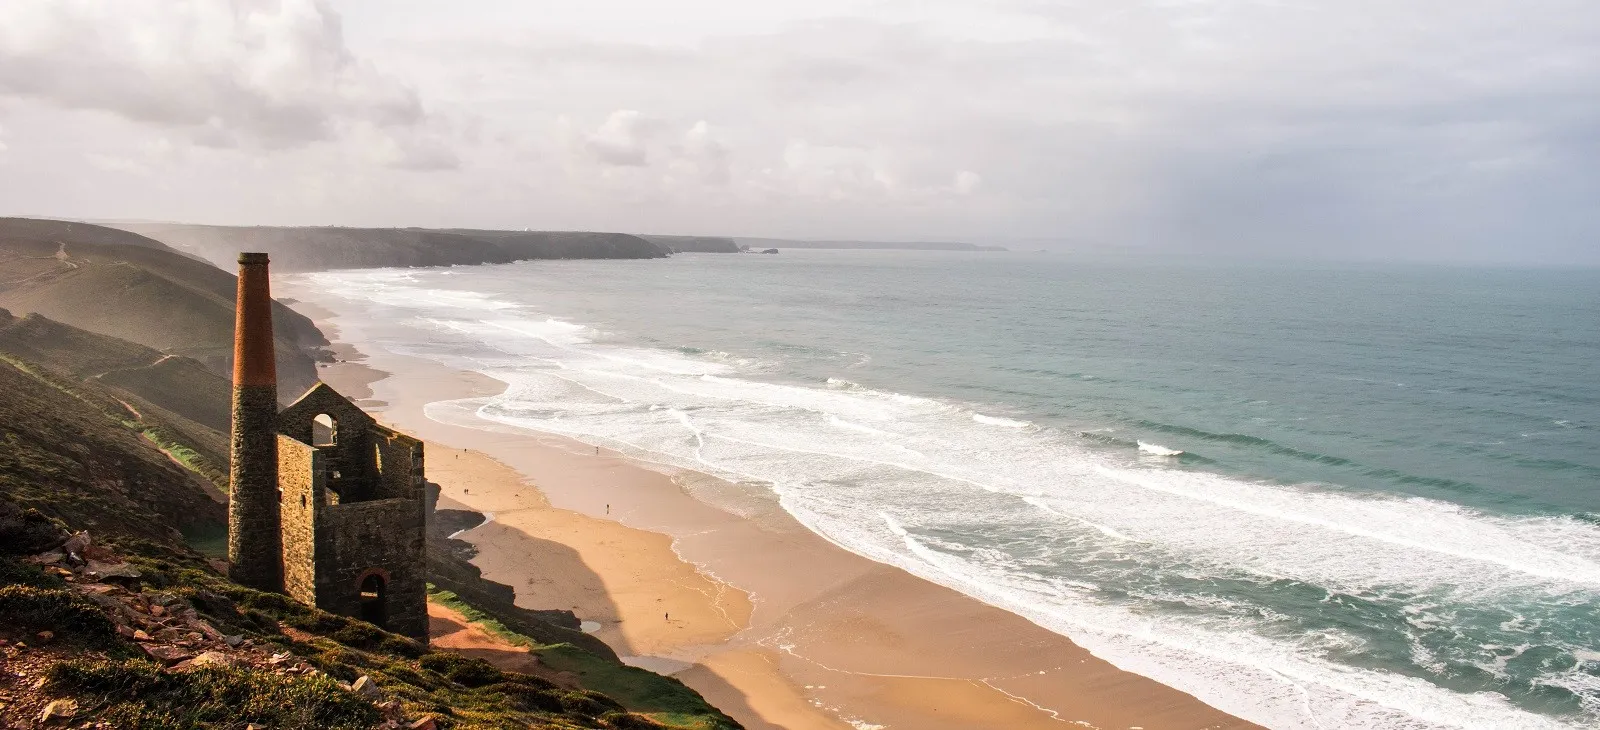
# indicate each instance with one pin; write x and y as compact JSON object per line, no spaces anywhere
{"x":333,"y":515}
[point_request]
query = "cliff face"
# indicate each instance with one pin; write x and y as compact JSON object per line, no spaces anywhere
{"x":317,"y":249}
{"x":694,"y":244}
{"x":758,"y":243}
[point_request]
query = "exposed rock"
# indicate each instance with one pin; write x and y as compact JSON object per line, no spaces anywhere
{"x":213,"y":659}
{"x":106,"y":571}
{"x":165,"y":654}
{"x":365,"y":687}
{"x":426,"y":723}
{"x":46,"y":637}
{"x":75,"y":545}
{"x":97,"y":552}
{"x":59,"y":711}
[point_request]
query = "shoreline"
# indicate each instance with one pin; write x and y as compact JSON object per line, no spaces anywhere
{"x":683,"y":587}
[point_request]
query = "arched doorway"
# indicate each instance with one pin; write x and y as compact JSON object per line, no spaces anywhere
{"x":324,"y":430}
{"x":374,"y":600}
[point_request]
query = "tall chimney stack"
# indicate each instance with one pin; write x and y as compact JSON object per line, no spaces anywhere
{"x":255,"y":543}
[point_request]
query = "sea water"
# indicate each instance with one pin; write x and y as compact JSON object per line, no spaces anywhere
{"x":1319,"y":497}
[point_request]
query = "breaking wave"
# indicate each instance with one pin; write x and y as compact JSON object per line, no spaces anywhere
{"x":1290,"y":605}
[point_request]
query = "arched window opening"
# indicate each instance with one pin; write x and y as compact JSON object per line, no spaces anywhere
{"x":374,"y":606}
{"x":324,"y":430}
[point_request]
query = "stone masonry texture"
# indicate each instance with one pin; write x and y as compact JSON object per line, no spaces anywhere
{"x":320,"y":521}
{"x":254,"y":543}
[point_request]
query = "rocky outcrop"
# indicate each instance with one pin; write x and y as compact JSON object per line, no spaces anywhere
{"x":869,"y":245}
{"x":693,"y":244}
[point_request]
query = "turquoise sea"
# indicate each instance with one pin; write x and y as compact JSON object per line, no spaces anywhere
{"x":1385,"y":512}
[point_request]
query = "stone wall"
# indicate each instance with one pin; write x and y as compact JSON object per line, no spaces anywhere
{"x":300,"y":472}
{"x":399,"y":465}
{"x":254,"y":547}
{"x":351,"y":460}
{"x":370,"y":520}
{"x":384,"y":536}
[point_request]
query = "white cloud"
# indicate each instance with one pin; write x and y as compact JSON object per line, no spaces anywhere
{"x":622,"y":139}
{"x":967,"y":182}
{"x":702,"y":156}
{"x":245,"y":72}
{"x":1422,"y":127}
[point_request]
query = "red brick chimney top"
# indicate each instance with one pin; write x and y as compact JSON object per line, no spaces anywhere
{"x":254,"y":361}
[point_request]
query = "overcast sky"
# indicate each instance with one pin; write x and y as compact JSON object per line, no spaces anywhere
{"x":1462,"y":130}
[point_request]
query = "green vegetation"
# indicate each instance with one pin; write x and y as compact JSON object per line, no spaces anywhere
{"x":138,"y":290}
{"x":66,"y":454}
{"x":181,"y":452}
{"x":663,"y":699}
{"x":31,"y":608}
{"x":327,"y":651}
{"x":102,"y":439}
{"x":137,"y":693}
{"x":483,"y":620}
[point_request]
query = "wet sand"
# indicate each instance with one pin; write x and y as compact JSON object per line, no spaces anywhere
{"x":770,"y":622}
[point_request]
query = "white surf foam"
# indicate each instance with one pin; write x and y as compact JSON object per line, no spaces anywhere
{"x":911,"y":481}
{"x":997,"y":421}
{"x":1157,"y":449}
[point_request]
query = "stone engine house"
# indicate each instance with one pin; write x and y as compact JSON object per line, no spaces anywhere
{"x":326,"y":505}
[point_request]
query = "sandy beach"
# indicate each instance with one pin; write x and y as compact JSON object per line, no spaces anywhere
{"x":770,"y":622}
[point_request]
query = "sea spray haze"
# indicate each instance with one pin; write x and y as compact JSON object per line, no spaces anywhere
{"x":1385,"y":512}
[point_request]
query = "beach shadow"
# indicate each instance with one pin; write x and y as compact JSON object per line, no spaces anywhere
{"x":538,"y":612}
{"x":556,"y":571}
{"x":724,"y":696}
{"x":450,"y":568}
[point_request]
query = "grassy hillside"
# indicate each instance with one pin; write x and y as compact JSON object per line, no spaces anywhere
{"x":174,"y":402}
{"x":124,"y":623}
{"x":47,"y":229}
{"x":115,"y":283}
{"x":76,"y":454}
{"x":320,"y":248}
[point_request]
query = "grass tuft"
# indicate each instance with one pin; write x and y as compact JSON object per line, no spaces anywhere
{"x":72,"y":617}
{"x":138,"y":693}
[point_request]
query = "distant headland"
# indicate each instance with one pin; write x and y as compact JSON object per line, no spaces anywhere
{"x":318,"y":248}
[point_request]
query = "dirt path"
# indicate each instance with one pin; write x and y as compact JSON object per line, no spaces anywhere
{"x":449,"y":630}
